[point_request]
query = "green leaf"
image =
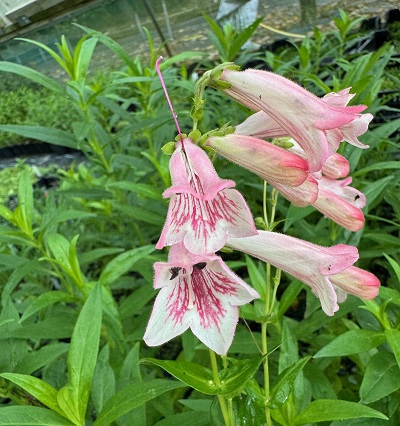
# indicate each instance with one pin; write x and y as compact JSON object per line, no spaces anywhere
{"x":192,"y":418}
{"x":6,"y":214}
{"x":40,"y":358}
{"x":31,"y":416}
{"x":131,"y":373}
{"x":84,"y":57}
{"x":394,"y":265}
{"x":122,"y":263}
{"x":45,"y":300}
{"x":141,"y":189}
{"x":131,"y":397}
{"x":194,"y":375}
{"x":384,"y":165}
{"x":96,"y":254}
{"x":352,"y":342}
{"x":103,"y":380}
{"x":41,"y":390}
{"x":111,"y":44}
{"x":33,"y":75}
{"x":324,"y":410}
{"x":51,"y":52}
{"x":283,"y":387}
{"x":25,"y":200}
{"x":381,"y":377}
{"x":74,"y":396}
{"x":55,"y":327}
{"x":375,"y":190}
{"x":242,"y":37}
{"x":393,"y":338}
{"x":257,"y":278}
{"x":139,"y":213}
{"x":44,"y":134}
{"x":235,"y":378}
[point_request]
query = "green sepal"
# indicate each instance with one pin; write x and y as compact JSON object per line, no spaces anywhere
{"x":195,"y":135}
{"x":168,"y":148}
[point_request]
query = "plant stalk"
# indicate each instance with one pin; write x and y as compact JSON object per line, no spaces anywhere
{"x":226,"y":413}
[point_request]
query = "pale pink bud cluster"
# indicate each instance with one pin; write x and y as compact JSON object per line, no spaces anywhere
{"x":316,"y":127}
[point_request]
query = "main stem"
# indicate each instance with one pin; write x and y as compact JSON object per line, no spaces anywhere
{"x":269,"y":303}
{"x":264,"y":343}
{"x":222,"y":402}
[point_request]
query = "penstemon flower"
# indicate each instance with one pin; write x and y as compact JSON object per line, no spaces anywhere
{"x":283,"y":108}
{"x":324,"y":269}
{"x":263,"y":158}
{"x":332,"y":197}
{"x":198,"y":292}
{"x":204,"y":210}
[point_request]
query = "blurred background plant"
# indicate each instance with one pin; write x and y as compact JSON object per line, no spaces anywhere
{"x":90,"y":237}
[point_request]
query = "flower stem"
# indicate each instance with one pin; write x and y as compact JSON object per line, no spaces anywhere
{"x":264,"y":343}
{"x":226,"y":413}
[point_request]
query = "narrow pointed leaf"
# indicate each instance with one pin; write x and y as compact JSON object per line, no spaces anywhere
{"x":44,"y":134}
{"x":194,"y":375}
{"x":283,"y":387}
{"x":324,"y":410}
{"x":131,"y":397}
{"x":31,"y":416}
{"x":352,"y":342}
{"x":235,"y":378}
{"x":35,"y":360}
{"x":45,"y":300}
{"x":122,"y":263}
{"x":32,"y":75}
{"x":39,"y":389}
{"x":381,"y":378}
{"x":74,"y":396}
{"x":393,"y":338}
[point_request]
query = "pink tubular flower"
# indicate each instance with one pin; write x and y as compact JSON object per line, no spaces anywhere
{"x":262,"y":158}
{"x":322,"y":268}
{"x":318,"y":125}
{"x":341,"y":203}
{"x":204,"y":209}
{"x":200,"y":293}
{"x":336,"y":167}
{"x":358,"y":282}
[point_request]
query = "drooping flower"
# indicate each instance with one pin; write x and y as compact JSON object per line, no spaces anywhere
{"x":331,"y":196}
{"x":322,"y":268}
{"x":204,"y":209}
{"x":283,"y":108}
{"x":341,"y":203}
{"x":197,"y":292}
{"x":262,"y":158}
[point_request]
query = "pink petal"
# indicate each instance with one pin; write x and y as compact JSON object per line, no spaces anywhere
{"x":192,"y":172}
{"x":336,"y":166}
{"x":312,"y":264}
{"x":302,"y":115}
{"x":199,"y":292}
{"x":356,"y":128}
{"x":356,"y":281}
{"x":338,"y":99}
{"x":341,"y":203}
{"x":302,"y":195}
{"x":260,"y":125}
{"x":262,"y":158}
{"x":203,"y":209}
